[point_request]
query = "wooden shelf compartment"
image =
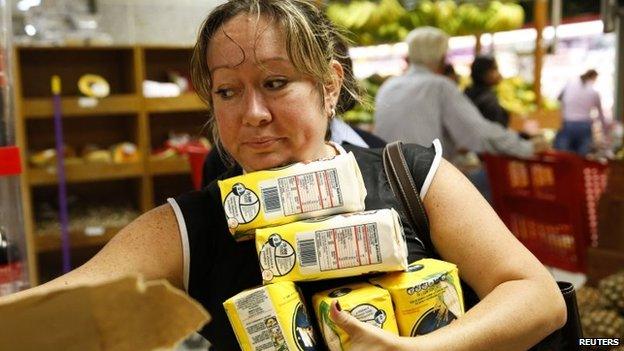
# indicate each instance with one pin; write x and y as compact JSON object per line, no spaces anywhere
{"x":38,"y":64}
{"x":86,"y":172}
{"x":163,"y":124}
{"x":51,"y":241}
{"x":178,"y":165}
{"x":160,"y":61}
{"x":184,"y":102}
{"x":77,"y":106}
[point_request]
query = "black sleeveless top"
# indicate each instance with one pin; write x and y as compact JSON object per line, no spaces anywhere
{"x":217,"y":267}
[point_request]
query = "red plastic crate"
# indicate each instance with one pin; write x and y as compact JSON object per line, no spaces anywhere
{"x":10,"y":161}
{"x":196,"y":156}
{"x":550,"y":204}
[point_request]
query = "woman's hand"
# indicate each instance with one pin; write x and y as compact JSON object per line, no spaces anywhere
{"x":364,"y":336}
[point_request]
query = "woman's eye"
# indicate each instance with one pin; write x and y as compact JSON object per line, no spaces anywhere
{"x":224,"y":93}
{"x":275,"y":83}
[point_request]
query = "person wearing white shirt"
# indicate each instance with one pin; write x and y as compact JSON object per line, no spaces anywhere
{"x":579,"y":100}
{"x":421,"y":106}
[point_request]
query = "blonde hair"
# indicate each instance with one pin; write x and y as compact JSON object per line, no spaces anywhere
{"x":427,"y":46}
{"x":312,"y":42}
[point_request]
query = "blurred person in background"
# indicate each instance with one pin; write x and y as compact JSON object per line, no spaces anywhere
{"x":421,"y":105}
{"x":449,"y":72}
{"x":579,"y":100}
{"x":485,"y":76}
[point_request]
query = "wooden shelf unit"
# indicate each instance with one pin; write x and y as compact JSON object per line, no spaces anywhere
{"x":86,"y":172}
{"x":125,"y":115}
{"x":51,"y":241}
{"x":76,"y":106}
{"x":178,"y":165}
{"x":184,"y":102}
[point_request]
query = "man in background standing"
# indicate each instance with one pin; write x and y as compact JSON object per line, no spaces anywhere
{"x":421,"y":106}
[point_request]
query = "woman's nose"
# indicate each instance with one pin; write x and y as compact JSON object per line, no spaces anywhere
{"x":256,"y":112}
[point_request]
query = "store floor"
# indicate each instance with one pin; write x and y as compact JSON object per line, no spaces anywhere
{"x":577,"y":279}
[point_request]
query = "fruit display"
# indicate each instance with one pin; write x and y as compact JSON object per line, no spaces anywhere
{"x":517,"y":96}
{"x":388,"y":21}
{"x":590,"y":299}
{"x":600,"y":309}
{"x":612,"y":287}
{"x":365,"y":112}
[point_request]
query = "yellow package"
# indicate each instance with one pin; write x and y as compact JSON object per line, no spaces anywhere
{"x":333,"y":247}
{"x":271,"y":318}
{"x":426,"y":297}
{"x":368,"y":303}
{"x":292,"y":193}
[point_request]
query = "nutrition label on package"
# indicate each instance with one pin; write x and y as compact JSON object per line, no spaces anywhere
{"x":302,"y":193}
{"x":339,"y":248}
{"x":260,"y":321}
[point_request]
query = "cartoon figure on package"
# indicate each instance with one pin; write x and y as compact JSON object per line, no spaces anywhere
{"x":304,"y":333}
{"x":276,"y":334}
{"x":241,"y":205}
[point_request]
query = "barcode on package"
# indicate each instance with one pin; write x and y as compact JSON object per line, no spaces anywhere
{"x":340,"y":248}
{"x":310,"y":192}
{"x":307,"y":252}
{"x":271,"y":199}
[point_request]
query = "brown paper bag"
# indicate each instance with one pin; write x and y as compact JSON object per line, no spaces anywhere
{"x":124,"y":314}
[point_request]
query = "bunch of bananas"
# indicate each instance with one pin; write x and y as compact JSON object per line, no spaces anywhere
{"x":365,"y":112}
{"x":369,"y":21}
{"x":517,"y":96}
{"x":386,"y":21}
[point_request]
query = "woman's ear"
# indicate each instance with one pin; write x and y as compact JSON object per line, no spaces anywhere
{"x":332,"y":88}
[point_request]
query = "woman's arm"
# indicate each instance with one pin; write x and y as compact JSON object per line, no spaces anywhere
{"x":149,"y":246}
{"x":521,"y":303}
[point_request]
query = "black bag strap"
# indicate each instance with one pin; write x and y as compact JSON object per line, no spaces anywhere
{"x":404,"y":189}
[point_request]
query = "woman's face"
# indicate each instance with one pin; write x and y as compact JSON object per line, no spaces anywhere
{"x":268,"y":114}
{"x":493,"y":76}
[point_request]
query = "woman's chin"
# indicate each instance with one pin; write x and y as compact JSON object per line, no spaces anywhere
{"x":259,"y":163}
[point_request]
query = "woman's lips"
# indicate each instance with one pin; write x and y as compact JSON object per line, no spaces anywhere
{"x":263,"y":143}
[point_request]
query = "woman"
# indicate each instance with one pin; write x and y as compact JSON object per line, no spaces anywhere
{"x":268,"y":72}
{"x":485,"y":76}
{"x":579,"y":100}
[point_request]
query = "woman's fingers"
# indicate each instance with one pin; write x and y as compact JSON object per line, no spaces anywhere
{"x":343,"y":319}
{"x":363,"y":336}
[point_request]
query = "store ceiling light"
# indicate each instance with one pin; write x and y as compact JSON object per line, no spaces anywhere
{"x":25,"y":5}
{"x":30,"y":29}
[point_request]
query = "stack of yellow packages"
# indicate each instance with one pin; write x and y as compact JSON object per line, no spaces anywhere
{"x":368,"y":303}
{"x":309,"y":224}
{"x":426,"y":297}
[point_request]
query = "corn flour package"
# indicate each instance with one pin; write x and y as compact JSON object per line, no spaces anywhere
{"x":271,"y":318}
{"x":292,"y":193}
{"x":333,"y":247}
{"x":368,"y":303}
{"x":426,"y":297}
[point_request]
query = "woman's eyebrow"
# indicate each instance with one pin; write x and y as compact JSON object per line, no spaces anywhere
{"x":260,"y":61}
{"x":271,"y":59}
